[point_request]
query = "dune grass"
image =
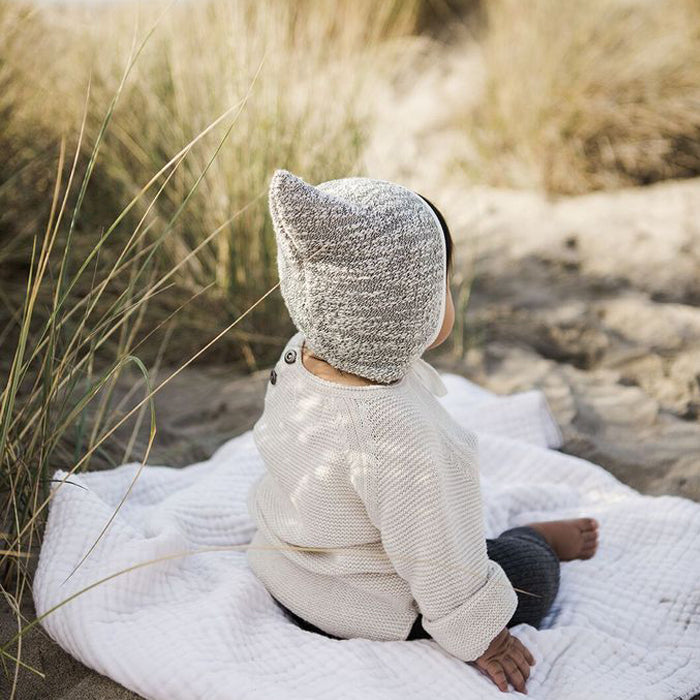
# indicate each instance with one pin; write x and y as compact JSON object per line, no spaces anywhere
{"x":200,"y":61}
{"x":591,"y":95}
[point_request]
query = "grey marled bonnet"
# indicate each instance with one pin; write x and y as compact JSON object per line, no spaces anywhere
{"x":362,"y":267}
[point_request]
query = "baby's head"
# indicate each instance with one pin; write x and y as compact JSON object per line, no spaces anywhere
{"x":363,"y":268}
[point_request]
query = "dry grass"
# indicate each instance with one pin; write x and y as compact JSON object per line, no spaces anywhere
{"x":588,"y":95}
{"x":289,"y":74}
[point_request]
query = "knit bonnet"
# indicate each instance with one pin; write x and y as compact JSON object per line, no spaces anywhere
{"x":362,"y":268}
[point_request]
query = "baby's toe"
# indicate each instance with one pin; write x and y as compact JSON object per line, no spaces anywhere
{"x":590,"y":545}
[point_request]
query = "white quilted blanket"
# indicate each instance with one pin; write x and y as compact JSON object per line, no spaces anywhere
{"x":626,"y":623}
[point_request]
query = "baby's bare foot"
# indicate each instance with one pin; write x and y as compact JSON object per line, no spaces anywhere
{"x":576,"y":538}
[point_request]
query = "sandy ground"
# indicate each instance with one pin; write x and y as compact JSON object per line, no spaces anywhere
{"x":592,"y":299}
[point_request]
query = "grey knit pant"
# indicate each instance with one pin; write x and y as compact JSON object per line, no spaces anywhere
{"x":528,"y":561}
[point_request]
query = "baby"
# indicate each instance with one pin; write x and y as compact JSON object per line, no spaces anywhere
{"x":369,"y":514}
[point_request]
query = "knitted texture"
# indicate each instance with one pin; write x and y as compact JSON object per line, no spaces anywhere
{"x":379,"y":487}
{"x":362,"y":268}
{"x":529,"y":562}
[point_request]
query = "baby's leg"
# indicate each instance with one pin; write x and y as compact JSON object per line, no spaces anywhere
{"x":532,"y":565}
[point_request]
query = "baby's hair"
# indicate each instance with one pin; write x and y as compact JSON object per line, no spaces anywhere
{"x":445,"y":230}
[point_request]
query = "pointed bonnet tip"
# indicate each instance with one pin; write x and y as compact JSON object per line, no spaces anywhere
{"x":285,"y":186}
{"x":284,"y":178}
{"x":280,"y":173}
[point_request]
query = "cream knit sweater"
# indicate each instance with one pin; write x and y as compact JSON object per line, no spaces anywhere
{"x":379,"y":487}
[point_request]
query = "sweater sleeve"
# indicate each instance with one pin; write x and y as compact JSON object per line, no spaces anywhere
{"x":425,"y":501}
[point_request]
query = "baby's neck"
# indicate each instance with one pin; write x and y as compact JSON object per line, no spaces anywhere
{"x":325,"y":371}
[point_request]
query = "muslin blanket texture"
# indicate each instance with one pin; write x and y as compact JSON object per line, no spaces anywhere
{"x":199,"y":625}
